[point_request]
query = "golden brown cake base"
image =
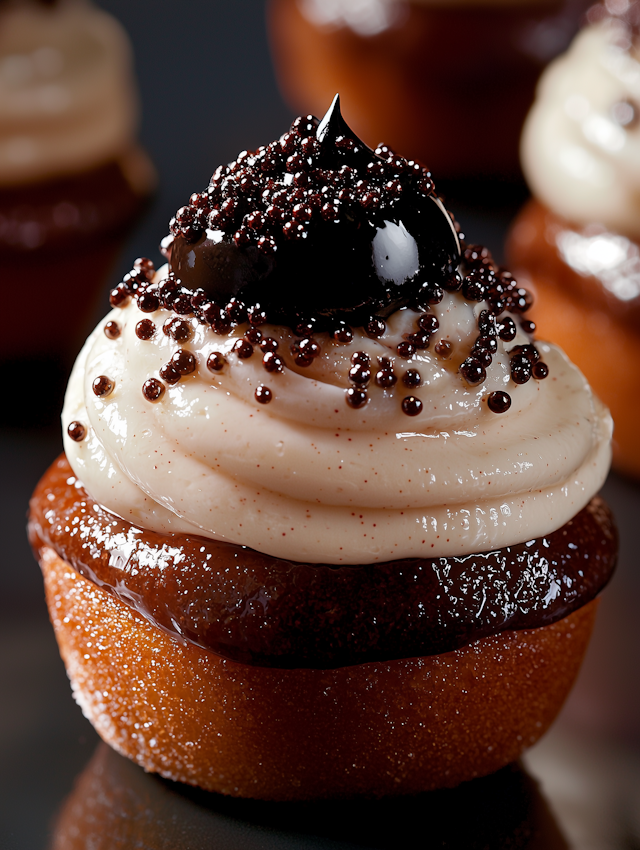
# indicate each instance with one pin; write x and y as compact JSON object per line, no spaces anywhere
{"x":604,"y":348}
{"x":397,"y":727}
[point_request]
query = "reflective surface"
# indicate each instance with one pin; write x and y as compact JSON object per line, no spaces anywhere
{"x":588,"y":765}
{"x":115,"y":804}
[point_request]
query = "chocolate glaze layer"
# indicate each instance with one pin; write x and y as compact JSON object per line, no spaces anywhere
{"x":260,"y":610}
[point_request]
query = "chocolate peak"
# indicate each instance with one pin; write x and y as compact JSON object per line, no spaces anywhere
{"x":332,"y":128}
{"x":316,"y":227}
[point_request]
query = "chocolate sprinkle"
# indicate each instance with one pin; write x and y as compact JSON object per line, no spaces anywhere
{"x":263,"y":395}
{"x":146,"y":266}
{"x":76,"y":431}
{"x":184,"y":362}
{"x":112,"y":330}
{"x":499,"y":402}
{"x":253,"y":335}
{"x":216,"y":361}
{"x":342,"y":334}
{"x":148,"y":302}
{"x":153,"y":389}
{"x":386,"y":379}
{"x":102,"y":386}
{"x":428,"y":323}
{"x":119,"y":296}
{"x":507,"y":329}
{"x":272,"y":363}
{"x":443,"y":349}
{"x":360,"y":374}
{"x":243,"y":349}
{"x":268,"y":343}
{"x":412,"y":378}
{"x":406,"y":350}
{"x":178,"y":329}
{"x":145,"y":329}
{"x":375,"y":328}
{"x":169,"y":374}
{"x":473,"y":371}
{"x":356,"y":398}
{"x":411,"y":405}
{"x":540,"y":370}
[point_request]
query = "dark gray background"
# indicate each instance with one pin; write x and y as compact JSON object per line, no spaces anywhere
{"x":208,"y":91}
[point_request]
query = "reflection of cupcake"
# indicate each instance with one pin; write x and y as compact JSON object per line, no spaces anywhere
{"x":578,"y":241}
{"x":286,"y":449}
{"x":114,"y":804}
{"x":72,"y":180}
{"x":447,"y":81}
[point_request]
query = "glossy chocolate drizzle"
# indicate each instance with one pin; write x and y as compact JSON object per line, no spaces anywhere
{"x":316,"y":226}
{"x":264,"y":611}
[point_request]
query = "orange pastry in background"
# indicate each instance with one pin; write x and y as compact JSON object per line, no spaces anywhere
{"x":448,"y":82}
{"x":577,"y":242}
{"x":327,"y":521}
{"x":72,"y":178}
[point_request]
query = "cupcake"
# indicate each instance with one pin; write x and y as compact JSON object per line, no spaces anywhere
{"x":72,"y":178}
{"x":326,"y":524}
{"x":577,"y":240}
{"x":421,"y":73}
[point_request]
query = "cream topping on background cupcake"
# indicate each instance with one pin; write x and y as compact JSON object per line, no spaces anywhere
{"x":581,"y":141}
{"x":67,"y":95}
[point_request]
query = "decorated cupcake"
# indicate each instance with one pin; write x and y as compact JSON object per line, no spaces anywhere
{"x":577,"y":240}
{"x":327,"y":521}
{"x":72,"y":178}
{"x":446,"y":81}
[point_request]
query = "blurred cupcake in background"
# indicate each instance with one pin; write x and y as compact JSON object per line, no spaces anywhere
{"x":577,"y":243}
{"x":448,"y":80}
{"x":72,"y":178}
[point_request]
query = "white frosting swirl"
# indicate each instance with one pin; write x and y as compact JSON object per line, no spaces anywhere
{"x":67,"y":98}
{"x":580,"y":156}
{"x":308,"y":478}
